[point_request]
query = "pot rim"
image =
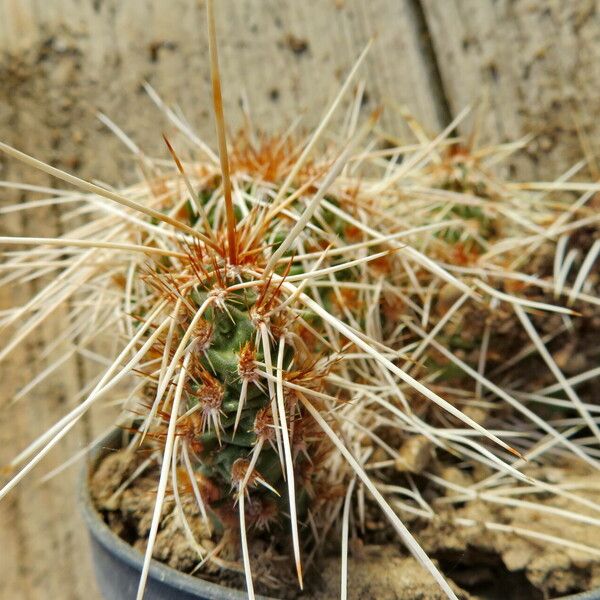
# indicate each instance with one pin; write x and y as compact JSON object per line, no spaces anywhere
{"x":104,"y":535}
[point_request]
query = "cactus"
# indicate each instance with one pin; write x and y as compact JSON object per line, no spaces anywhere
{"x":290,"y":327}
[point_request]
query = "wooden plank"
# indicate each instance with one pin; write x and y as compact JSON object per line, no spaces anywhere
{"x":44,"y":551}
{"x":535,"y":62}
{"x":60,"y":62}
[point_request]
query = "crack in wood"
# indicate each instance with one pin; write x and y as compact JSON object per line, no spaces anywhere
{"x":436,"y":81}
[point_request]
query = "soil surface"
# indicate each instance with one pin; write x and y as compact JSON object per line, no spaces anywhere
{"x":480,"y":563}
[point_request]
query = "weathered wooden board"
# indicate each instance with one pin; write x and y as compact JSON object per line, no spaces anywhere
{"x":62,"y":60}
{"x":536,"y":65}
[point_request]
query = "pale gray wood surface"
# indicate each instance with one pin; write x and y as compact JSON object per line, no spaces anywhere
{"x":537,"y":66}
{"x":62,"y":60}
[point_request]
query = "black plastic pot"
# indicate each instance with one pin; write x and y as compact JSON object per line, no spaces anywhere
{"x":118,"y":565}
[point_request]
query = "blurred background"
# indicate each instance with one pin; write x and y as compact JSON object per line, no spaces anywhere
{"x":533,"y":64}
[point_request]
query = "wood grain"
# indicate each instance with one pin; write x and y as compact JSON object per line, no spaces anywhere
{"x":535,"y":65}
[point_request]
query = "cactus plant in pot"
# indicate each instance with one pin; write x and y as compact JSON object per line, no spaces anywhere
{"x":325,"y":347}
